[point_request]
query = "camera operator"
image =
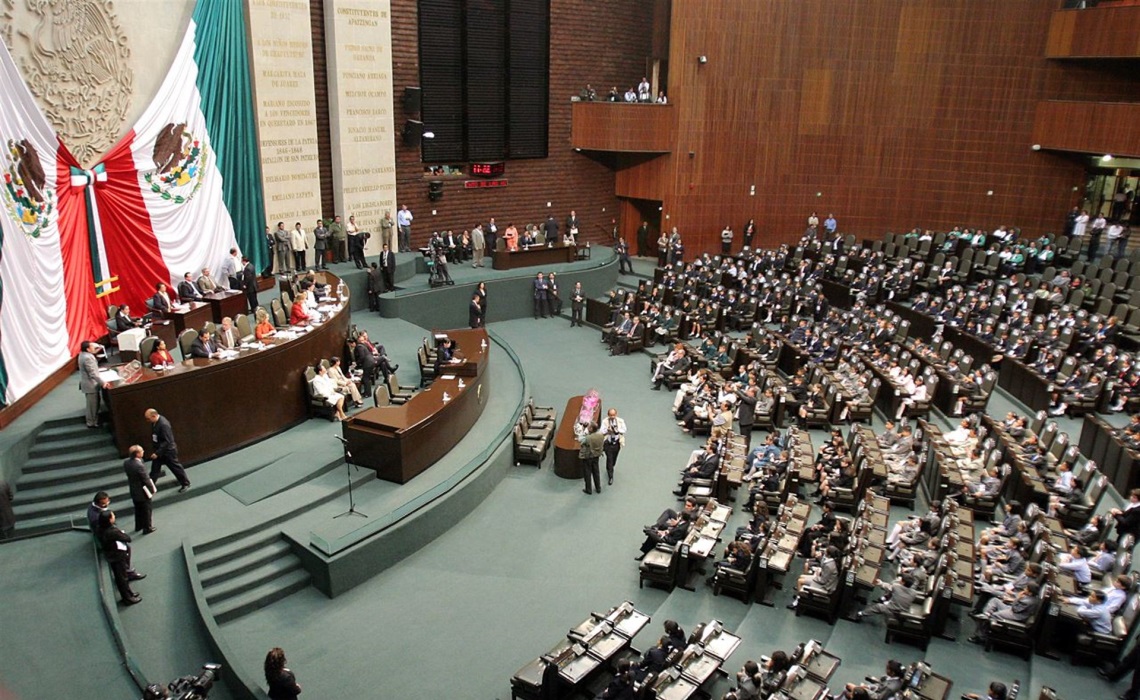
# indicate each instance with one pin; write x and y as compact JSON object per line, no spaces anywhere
{"x":438,"y":256}
{"x":188,"y":687}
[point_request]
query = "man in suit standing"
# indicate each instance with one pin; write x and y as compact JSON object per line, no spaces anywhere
{"x":491,"y":234}
{"x":117,"y":551}
{"x":249,"y":283}
{"x":283,"y":241}
{"x":478,"y":245}
{"x":187,"y":290}
{"x":577,"y":305}
{"x":375,"y":287}
{"x":746,"y":413}
{"x":541,"y":296}
{"x":554,"y":295}
{"x":388,"y":231}
{"x":614,"y":429}
{"x":591,"y":446}
{"x":643,"y":240}
{"x":321,"y":237}
{"x":571,"y":226}
{"x":550,"y":228}
{"x":475,"y":317}
{"x":388,"y":267}
{"x":621,"y":248}
{"x":204,"y":346}
{"x":165,"y":450}
{"x":142,"y":488}
{"x":89,"y":382}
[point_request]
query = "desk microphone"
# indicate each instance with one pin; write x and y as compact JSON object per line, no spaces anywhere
{"x":338,"y":437}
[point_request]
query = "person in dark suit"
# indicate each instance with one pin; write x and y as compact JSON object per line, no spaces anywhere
{"x":481,"y":290}
{"x":1128,"y":520}
{"x":670,"y":535}
{"x":161,"y":302}
{"x":621,"y":249}
{"x":165,"y":450}
{"x":643,"y":240}
{"x":187,"y":290}
{"x":550,"y":228}
{"x":204,"y":346}
{"x":554,"y":295}
{"x":655,"y":659}
{"x":372,"y":359}
{"x":249,"y":283}
{"x":117,"y":551}
{"x":375,"y":287}
{"x":622,"y":340}
{"x":142,"y":488}
{"x":541,"y":296}
{"x":7,"y":515}
{"x":896,"y":602}
{"x":577,"y":305}
{"x":475,"y":312}
{"x":703,"y":467}
{"x":746,"y":413}
{"x":388,"y":268}
{"x":124,"y":321}
{"x":99,"y":503}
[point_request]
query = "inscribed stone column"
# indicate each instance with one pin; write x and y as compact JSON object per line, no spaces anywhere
{"x":282,"y":48}
{"x":358,"y":38}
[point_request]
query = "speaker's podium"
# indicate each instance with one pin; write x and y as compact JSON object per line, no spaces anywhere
{"x":400,"y":441}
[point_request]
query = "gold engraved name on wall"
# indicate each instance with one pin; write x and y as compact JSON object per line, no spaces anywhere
{"x":76,"y":61}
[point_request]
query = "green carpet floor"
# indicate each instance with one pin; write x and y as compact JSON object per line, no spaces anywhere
{"x":458,"y":617}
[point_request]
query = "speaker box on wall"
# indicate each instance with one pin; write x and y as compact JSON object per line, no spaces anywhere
{"x":435,"y":190}
{"x":413,"y":132}
{"x":412,"y":100}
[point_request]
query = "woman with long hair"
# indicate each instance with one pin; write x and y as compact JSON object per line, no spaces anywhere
{"x":282,"y":683}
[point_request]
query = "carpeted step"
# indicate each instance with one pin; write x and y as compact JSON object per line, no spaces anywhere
{"x":66,"y":428}
{"x":95,"y":453}
{"x":211,"y":555}
{"x":27,"y":513}
{"x":265,"y":594}
{"x":221,"y":571}
{"x":109,"y":471}
{"x":268,"y":572}
{"x":81,"y":486}
{"x":66,"y":443}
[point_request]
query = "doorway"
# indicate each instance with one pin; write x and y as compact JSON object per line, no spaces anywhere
{"x":633,"y":213}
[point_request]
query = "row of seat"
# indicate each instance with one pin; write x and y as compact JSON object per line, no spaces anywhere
{"x":533,"y":433}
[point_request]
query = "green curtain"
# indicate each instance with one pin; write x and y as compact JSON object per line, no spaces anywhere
{"x":224,"y":82}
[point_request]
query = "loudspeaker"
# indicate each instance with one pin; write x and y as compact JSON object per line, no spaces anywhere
{"x":412,"y":100}
{"x":435,"y":190}
{"x":413,"y":132}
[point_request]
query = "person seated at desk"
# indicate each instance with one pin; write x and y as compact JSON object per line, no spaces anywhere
{"x":325,"y":387}
{"x":297,"y":316}
{"x":880,"y":688}
{"x":343,"y":384}
{"x":670,"y":535}
{"x":264,"y":327}
{"x":161,"y":302}
{"x":824,"y":575}
{"x":124,"y":321}
{"x":204,"y":346}
{"x":228,"y":338}
{"x":511,"y":236}
{"x":161,"y":357}
{"x":528,"y":238}
{"x":187,"y":290}
{"x":622,"y":685}
{"x":446,"y":355}
{"x":206,"y":283}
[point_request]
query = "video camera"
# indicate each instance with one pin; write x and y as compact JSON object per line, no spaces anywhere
{"x":187,"y":687}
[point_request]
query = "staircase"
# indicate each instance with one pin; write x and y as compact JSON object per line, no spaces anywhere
{"x":66,"y":465}
{"x":248,"y":572}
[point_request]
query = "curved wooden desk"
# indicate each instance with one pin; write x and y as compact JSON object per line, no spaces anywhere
{"x":217,"y":406}
{"x":566,"y":442}
{"x":399,"y":442}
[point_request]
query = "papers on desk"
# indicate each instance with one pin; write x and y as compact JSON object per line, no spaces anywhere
{"x":227,"y":354}
{"x":287,"y":334}
{"x":448,"y":376}
{"x":108,"y":376}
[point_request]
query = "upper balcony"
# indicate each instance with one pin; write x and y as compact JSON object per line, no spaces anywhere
{"x":1111,"y":29}
{"x":1088,"y":127}
{"x":622,"y":127}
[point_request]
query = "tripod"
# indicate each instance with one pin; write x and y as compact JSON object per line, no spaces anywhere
{"x":348,"y":472}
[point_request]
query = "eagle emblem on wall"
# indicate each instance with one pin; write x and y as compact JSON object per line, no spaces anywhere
{"x":26,"y":197}
{"x":180,"y":162}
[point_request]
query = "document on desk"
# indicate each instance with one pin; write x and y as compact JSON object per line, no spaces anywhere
{"x":228,"y":354}
{"x":108,"y":375}
{"x":448,"y":376}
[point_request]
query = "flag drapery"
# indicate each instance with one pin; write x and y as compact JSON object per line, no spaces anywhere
{"x":174,"y":195}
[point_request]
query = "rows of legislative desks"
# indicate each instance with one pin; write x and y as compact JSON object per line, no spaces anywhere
{"x":534,"y":255}
{"x":195,"y":314}
{"x":1103,"y":444}
{"x":219,"y":405}
{"x":401,"y":441}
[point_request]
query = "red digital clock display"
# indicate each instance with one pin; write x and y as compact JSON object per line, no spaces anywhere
{"x":488,"y":169}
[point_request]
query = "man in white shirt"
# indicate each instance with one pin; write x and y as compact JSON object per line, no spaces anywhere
{"x":614,"y":429}
{"x":299,"y":244}
{"x":404,"y":225}
{"x":643,"y":91}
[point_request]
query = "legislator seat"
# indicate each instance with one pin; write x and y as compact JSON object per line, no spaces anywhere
{"x":185,"y":339}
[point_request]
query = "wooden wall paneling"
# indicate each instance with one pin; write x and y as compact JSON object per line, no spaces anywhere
{"x":1105,"y":32}
{"x":1088,"y":127}
{"x":604,"y":126}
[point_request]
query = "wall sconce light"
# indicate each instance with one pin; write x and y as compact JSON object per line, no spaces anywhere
{"x":702,"y":59}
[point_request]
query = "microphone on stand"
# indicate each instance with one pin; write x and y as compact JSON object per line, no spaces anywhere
{"x":338,"y":437}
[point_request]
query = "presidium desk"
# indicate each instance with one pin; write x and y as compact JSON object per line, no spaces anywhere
{"x":401,"y":441}
{"x":217,"y":406}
